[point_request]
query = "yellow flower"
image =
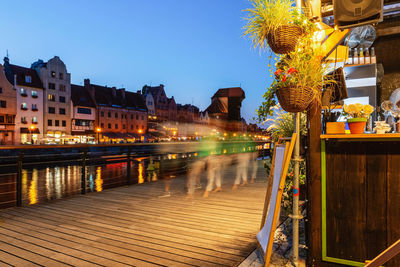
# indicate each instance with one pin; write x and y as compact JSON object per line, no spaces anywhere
{"x":358,"y":107}
{"x":351,"y":109}
{"x":368,"y":109}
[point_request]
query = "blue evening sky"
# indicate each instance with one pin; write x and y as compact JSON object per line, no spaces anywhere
{"x":193,"y":47}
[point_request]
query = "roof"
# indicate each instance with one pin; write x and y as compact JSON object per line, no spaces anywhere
{"x":81,"y":97}
{"x":21,"y":72}
{"x":135,"y":100}
{"x":230,"y":92}
{"x":217,"y":107}
{"x":153,"y":90}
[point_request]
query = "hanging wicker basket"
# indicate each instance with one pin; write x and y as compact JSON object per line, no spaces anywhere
{"x":295,"y":99}
{"x":284,"y":38}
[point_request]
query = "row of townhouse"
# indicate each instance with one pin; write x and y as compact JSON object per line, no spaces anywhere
{"x":40,"y":105}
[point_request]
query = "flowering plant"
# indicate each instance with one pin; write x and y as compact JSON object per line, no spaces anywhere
{"x":357,"y":111}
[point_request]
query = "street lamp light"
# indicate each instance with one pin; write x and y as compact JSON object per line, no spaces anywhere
{"x":98,"y":130}
{"x":31,"y":129}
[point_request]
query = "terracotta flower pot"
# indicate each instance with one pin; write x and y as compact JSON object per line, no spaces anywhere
{"x":357,"y":125}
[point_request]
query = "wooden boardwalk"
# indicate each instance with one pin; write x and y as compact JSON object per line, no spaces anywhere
{"x":133,"y":226}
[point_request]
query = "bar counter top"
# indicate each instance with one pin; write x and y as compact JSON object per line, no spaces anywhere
{"x":362,"y":137}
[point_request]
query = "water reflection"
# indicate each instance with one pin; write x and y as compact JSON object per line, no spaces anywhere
{"x":140,"y":173}
{"x":33,"y":191}
{"x":99,"y":181}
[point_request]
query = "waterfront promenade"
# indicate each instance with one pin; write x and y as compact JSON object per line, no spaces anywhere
{"x":133,"y":225}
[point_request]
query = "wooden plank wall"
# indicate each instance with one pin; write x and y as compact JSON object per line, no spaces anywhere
{"x":363,"y":199}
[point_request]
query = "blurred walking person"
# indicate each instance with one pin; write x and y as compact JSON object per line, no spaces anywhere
{"x":241,"y":169}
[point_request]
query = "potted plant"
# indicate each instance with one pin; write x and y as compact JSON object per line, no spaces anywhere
{"x":357,"y":116}
{"x":276,"y":21}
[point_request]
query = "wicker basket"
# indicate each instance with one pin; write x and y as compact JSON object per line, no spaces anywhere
{"x":283,"y":39}
{"x":295,"y":99}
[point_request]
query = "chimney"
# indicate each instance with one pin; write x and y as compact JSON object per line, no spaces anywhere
{"x":114,"y":91}
{"x":139,"y":92}
{"x":86,"y":82}
{"x":15,"y":80}
{"x":122,"y":90}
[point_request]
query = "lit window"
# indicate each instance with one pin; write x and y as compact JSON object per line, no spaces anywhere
{"x":28,"y":79}
{"x":34,"y":119}
{"x":34,"y":94}
{"x":24,"y":106}
{"x":53,"y":74}
{"x":51,"y":97}
{"x":23,"y":92}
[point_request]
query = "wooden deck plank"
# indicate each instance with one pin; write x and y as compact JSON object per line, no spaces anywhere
{"x":132,"y":225}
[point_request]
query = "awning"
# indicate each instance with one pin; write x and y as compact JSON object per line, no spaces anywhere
{"x":25,"y":130}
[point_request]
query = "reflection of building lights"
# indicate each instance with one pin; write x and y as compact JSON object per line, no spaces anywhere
{"x":140,"y":177}
{"x":99,"y":181}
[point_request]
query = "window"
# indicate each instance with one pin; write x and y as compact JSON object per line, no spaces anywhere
{"x":23,"y":120}
{"x":52,"y":110}
{"x":137,"y":116}
{"x":62,"y":99}
{"x":102,"y":113}
{"x":116,"y":126}
{"x":3,"y":104}
{"x":49,"y":122}
{"x":62,"y":87}
{"x":61,"y":111}
{"x":123,"y":126}
{"x":142,"y":118}
{"x":52,"y":86}
{"x":137,"y":127}
{"x":34,"y":120}
{"x":102,"y":125}
{"x":109,"y":126}
{"x":116,"y":115}
{"x":23,"y":92}
{"x":53,"y":74}
{"x":61,"y":75}
{"x":131,"y":127}
{"x":131,"y":116}
{"x":1,"y":119}
{"x":34,"y":94}
{"x":24,"y":106}
{"x":1,"y":90}
{"x":85,"y":111}
{"x":109,"y":114}
{"x":56,"y":123}
{"x":34,"y":107}
{"x":28,"y":79}
{"x":51,"y":97}
{"x":64,"y":123}
{"x":10,"y":119}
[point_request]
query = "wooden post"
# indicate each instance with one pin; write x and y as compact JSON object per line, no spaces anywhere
{"x":19,"y":179}
{"x":83,"y":175}
{"x":314,"y":208}
{"x":128,"y":166}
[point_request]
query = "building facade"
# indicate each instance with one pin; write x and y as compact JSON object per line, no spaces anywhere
{"x":83,"y":114}
{"x":29,"y":93}
{"x":161,"y":102}
{"x":8,"y":110}
{"x":120,"y":115}
{"x":57,"y":97}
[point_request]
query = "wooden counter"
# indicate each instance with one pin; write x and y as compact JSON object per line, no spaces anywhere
{"x":360,"y":194}
{"x":362,"y":137}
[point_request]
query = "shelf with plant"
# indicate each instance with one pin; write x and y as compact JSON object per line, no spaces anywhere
{"x":357,"y":116}
{"x":276,"y":24}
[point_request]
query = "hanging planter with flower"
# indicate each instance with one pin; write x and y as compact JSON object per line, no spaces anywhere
{"x":278,"y":22}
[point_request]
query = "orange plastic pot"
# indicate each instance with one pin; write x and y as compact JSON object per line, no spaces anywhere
{"x":357,"y":125}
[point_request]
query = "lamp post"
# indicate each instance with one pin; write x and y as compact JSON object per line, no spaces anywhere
{"x":31,"y":129}
{"x":98,"y":130}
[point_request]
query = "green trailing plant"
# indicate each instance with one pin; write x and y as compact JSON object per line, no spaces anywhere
{"x":282,"y":124}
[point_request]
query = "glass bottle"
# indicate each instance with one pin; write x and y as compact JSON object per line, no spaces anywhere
{"x":355,"y":57}
{"x":367,"y":59}
{"x":350,"y":57}
{"x":361,"y":57}
{"x":373,"y":57}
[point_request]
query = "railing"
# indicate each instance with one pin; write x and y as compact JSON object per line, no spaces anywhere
{"x":85,"y":166}
{"x":385,"y":256}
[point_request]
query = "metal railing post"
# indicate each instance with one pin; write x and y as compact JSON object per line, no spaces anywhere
{"x":83,"y":175}
{"x":128,"y":166}
{"x":19,"y":179}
